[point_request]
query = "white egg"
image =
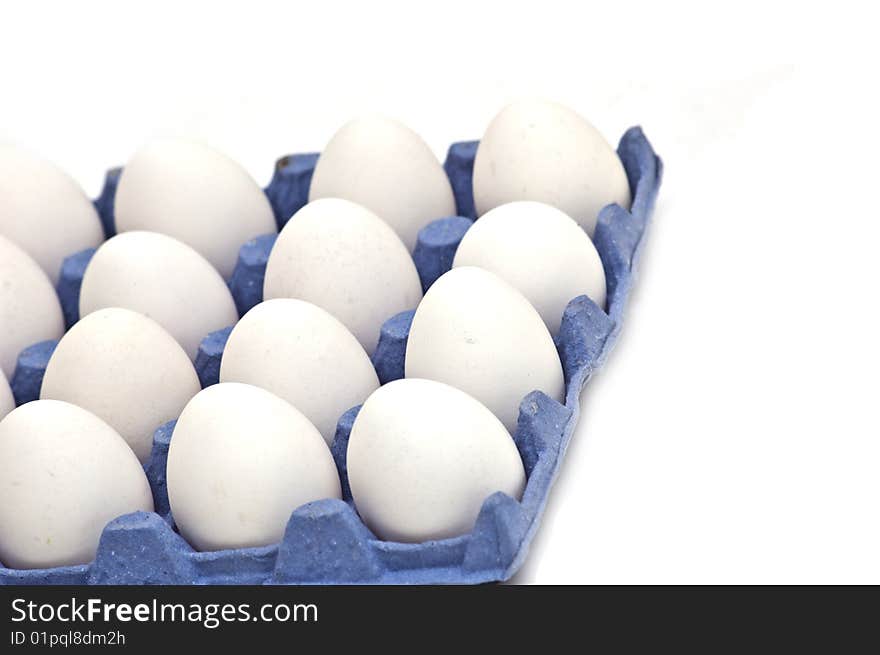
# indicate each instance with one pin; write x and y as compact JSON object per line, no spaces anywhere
{"x":195,"y":194}
{"x":7,"y":402}
{"x":44,"y":210}
{"x":538,"y":150}
{"x":540,"y":251}
{"x":423,"y":456}
{"x":124,"y":368}
{"x":386,"y":167}
{"x":301,"y":353}
{"x":241,"y":460}
{"x":345,"y":259}
{"x":64,"y":474}
{"x":162,"y":278}
{"x":29,"y":308}
{"x":477,"y":333}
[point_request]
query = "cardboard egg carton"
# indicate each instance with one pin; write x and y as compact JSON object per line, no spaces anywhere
{"x":325,"y":541}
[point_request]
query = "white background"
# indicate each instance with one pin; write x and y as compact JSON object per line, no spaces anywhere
{"x":733,"y":436}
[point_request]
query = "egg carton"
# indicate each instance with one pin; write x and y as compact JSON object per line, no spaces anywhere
{"x":325,"y":542}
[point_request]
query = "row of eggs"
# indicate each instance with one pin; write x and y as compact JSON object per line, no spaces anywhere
{"x":424,"y":451}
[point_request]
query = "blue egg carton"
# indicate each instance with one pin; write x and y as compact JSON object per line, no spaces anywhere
{"x":325,"y":541}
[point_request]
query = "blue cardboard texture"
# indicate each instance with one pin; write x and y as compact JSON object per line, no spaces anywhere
{"x":27,"y":379}
{"x":208,"y":357}
{"x":288,"y":191}
{"x":388,"y":358}
{"x":246,"y":283}
{"x":436,"y":246}
{"x":155,"y":470}
{"x":104,"y":202}
{"x":459,"y":167}
{"x":339,"y":448}
{"x":69,"y":283}
{"x":325,"y":541}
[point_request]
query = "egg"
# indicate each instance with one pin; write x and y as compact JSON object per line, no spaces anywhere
{"x":477,"y":333}
{"x":44,"y":210}
{"x":386,"y":167}
{"x":193,"y":193}
{"x":124,"y":368}
{"x":64,"y":474}
{"x":29,"y":308}
{"x":241,"y":460}
{"x":423,"y":456}
{"x":539,"y":250}
{"x":538,"y":150}
{"x":7,"y":402}
{"x":301,"y":353}
{"x":162,"y":278}
{"x":345,"y":259}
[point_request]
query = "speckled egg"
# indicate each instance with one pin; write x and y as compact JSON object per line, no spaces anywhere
{"x":539,"y":150}
{"x":162,"y":278}
{"x":423,"y":456}
{"x":475,"y":332}
{"x":190,"y":191}
{"x":383,"y":165}
{"x":64,"y":474}
{"x":345,"y":259}
{"x":124,"y":368}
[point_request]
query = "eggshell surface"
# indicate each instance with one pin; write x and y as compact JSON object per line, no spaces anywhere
{"x":477,"y":333}
{"x":346,"y":260}
{"x":124,"y":368}
{"x":162,"y":278}
{"x":538,"y":150}
{"x":29,"y":308}
{"x":383,"y":165}
{"x":7,"y":402}
{"x":540,"y":251}
{"x":195,"y":194}
{"x":302,"y":354}
{"x":241,"y":461}
{"x":64,"y":474}
{"x":44,"y":210}
{"x":423,"y":456}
